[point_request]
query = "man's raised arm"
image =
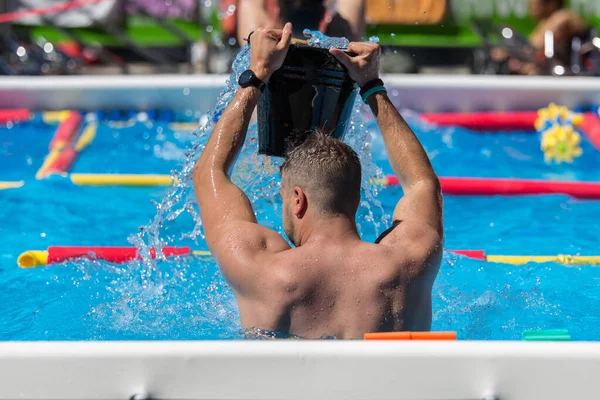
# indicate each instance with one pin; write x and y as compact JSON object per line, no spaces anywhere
{"x":220,"y":201}
{"x":422,"y":201}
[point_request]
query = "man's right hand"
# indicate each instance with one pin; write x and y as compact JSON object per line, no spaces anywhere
{"x":362,"y":61}
{"x":268,"y":48}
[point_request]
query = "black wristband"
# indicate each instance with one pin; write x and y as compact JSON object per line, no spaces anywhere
{"x":370,"y":85}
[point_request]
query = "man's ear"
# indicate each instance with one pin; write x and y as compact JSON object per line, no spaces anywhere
{"x":300,"y":202}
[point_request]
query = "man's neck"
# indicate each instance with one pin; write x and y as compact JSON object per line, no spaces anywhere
{"x":328,"y":228}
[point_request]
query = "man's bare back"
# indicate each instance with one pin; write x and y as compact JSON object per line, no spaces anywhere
{"x":344,"y":288}
{"x":331,"y":283}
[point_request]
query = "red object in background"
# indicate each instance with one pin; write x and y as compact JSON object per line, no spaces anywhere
{"x":15,"y":115}
{"x":591,"y":128}
{"x":512,"y":187}
{"x":67,"y":130}
{"x":116,"y":255}
{"x":87,"y":54}
{"x":475,"y":254}
{"x":486,"y":121}
{"x":54,"y":8}
{"x":229,"y":20}
{"x":63,"y":162}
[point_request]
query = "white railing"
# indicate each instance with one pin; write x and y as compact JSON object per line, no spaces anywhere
{"x":199,"y":92}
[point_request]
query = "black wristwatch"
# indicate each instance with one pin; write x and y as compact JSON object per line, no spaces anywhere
{"x":247,"y":78}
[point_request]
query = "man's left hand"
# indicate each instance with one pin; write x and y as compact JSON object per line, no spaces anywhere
{"x":268,"y":48}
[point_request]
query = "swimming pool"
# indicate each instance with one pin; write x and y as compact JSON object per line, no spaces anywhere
{"x":188,"y":299}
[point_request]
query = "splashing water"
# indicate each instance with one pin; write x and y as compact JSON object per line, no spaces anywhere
{"x":143,"y":289}
{"x":322,"y":41}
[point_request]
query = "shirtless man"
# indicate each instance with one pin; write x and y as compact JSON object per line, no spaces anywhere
{"x":331,"y":282}
{"x":347,"y":21}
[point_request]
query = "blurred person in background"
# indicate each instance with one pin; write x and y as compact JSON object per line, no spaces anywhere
{"x":348,"y":19}
{"x":550,"y":15}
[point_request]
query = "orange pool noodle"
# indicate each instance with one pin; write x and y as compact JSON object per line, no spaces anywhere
{"x":410,"y":336}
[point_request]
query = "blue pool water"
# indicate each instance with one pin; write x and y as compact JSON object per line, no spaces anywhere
{"x":188,"y":299}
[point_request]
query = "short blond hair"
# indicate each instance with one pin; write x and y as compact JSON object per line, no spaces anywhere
{"x":328,"y":170}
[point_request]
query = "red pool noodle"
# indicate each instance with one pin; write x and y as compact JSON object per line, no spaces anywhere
{"x":475,"y":254}
{"x":63,"y":162}
{"x":513,"y":187}
{"x":67,"y":130}
{"x":117,"y":255}
{"x":486,"y":121}
{"x":591,"y":128}
{"x":123,"y":254}
{"x":15,"y":115}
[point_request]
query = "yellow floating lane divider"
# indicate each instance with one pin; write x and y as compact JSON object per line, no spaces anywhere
{"x":560,"y":259}
{"x":11,"y":185}
{"x":183,"y":126}
{"x":86,"y":138}
{"x":33,"y":258}
{"x":121,"y":180}
{"x":55,"y":117}
{"x":48,"y":162}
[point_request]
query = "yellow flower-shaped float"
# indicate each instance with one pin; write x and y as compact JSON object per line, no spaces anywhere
{"x":561,"y":143}
{"x":560,"y":139}
{"x":553,"y":115}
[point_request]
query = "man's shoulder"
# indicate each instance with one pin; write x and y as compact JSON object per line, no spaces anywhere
{"x":412,"y":235}
{"x":415,"y":248}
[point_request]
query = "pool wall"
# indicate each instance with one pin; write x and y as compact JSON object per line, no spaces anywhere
{"x":198,"y":92}
{"x":280,"y":370}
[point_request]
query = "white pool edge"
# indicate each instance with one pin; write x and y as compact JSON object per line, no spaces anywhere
{"x":298,"y":370}
{"x":429,"y":93}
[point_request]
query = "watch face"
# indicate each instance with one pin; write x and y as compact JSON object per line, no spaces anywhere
{"x":246,"y":78}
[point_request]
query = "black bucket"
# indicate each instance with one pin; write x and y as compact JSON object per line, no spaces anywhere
{"x":312,"y":90}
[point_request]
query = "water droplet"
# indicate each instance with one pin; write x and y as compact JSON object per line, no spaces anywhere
{"x":186,"y":91}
